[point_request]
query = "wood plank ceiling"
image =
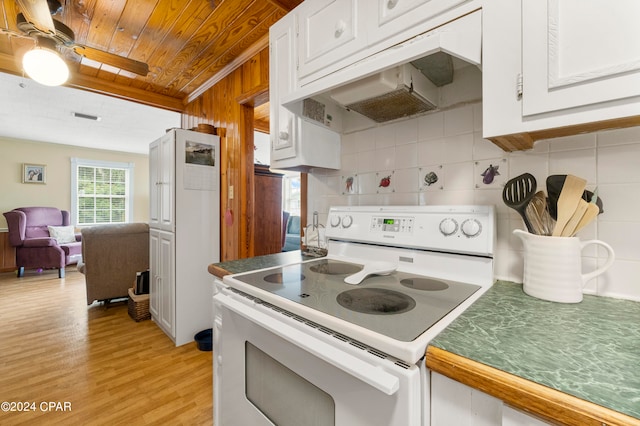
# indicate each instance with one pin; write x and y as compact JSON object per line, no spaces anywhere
{"x":188,"y":44}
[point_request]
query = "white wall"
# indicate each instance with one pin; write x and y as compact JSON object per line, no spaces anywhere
{"x":450,"y":144}
{"x":57,"y":190}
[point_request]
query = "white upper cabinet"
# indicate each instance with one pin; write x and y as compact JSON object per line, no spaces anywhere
{"x":329,"y":30}
{"x":578,"y":53}
{"x":396,"y":16}
{"x":282,"y":73}
{"x":295,"y":144}
{"x":334,"y":34}
{"x":553,"y":68}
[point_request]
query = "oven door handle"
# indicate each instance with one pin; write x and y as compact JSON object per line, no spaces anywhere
{"x":346,"y":362}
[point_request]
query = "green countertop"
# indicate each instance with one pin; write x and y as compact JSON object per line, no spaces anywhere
{"x":258,"y":262}
{"x":590,"y":350}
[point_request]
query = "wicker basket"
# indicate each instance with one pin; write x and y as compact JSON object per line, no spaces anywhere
{"x":139,"y":306}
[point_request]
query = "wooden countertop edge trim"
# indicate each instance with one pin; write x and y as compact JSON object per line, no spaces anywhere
{"x":528,"y":396}
{"x":217,"y":271}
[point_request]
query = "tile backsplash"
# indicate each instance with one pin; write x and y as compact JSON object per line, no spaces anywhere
{"x":441,"y":158}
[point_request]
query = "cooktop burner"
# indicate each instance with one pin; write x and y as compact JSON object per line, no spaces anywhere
{"x":281,"y":278}
{"x":400,"y":305}
{"x":335,"y":268}
{"x":426,"y":284}
{"x":376,"y":301}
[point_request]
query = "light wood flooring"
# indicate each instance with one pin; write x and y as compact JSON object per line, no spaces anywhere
{"x":109,"y":369}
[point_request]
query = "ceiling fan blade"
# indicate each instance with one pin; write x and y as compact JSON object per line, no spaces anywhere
{"x":37,"y":12}
{"x":107,"y":58}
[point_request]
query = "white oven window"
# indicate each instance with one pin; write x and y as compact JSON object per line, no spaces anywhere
{"x":284,"y":397}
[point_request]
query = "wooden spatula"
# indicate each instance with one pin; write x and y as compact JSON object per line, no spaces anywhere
{"x":570,"y":227}
{"x":568,"y":201}
{"x":590,"y":214}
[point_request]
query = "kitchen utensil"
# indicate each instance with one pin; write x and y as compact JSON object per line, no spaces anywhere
{"x":554,"y":187}
{"x":538,"y":214}
{"x":548,"y":222}
{"x":377,"y":268}
{"x":570,"y":227}
{"x":553,"y":266}
{"x":517,"y":194}
{"x":532,"y":214}
{"x":590,"y":214}
{"x":568,"y":201}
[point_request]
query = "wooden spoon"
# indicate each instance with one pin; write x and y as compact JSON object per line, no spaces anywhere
{"x":568,"y":201}
{"x":590,"y":214}
{"x":570,"y":227}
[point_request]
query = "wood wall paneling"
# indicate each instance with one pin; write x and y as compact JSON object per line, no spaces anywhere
{"x":7,"y":254}
{"x":219,"y":106}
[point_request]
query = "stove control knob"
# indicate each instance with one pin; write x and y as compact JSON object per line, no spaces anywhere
{"x":347,"y":221}
{"x":448,"y":226}
{"x":471,"y":227}
{"x":335,"y":221}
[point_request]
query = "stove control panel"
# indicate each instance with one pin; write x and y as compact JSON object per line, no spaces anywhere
{"x":464,"y":229}
{"x":392,"y":224}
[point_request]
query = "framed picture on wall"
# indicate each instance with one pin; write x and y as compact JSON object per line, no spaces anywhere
{"x":34,"y":173}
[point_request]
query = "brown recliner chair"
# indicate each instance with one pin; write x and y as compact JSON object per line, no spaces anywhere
{"x":111,"y":256}
{"x":36,"y":248}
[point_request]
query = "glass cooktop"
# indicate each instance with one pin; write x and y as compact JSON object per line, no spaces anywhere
{"x":400,"y":305}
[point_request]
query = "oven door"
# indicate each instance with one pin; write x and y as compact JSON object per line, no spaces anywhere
{"x":275,"y":370}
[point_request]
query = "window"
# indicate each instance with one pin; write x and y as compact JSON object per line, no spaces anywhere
{"x":291,"y":193}
{"x":101,"y":192}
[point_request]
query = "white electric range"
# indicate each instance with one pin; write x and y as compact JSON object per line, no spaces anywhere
{"x":296,"y":344}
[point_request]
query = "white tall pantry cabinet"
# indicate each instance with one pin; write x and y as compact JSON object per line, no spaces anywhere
{"x":184,"y":221}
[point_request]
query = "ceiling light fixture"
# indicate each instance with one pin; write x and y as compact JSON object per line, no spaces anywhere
{"x":44,"y":64}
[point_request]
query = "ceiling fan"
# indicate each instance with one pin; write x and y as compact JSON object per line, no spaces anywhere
{"x":36,"y":22}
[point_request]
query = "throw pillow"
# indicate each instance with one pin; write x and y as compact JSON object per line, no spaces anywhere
{"x":62,"y":234}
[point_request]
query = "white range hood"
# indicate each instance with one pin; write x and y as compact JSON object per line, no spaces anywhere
{"x":392,"y":84}
{"x":391,"y":94}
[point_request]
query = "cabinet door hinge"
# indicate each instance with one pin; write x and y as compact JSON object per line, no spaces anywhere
{"x":519,"y":86}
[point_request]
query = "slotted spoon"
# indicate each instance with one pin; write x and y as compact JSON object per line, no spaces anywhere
{"x":517,"y":194}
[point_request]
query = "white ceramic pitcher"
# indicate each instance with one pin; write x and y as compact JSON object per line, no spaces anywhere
{"x":553,"y":266}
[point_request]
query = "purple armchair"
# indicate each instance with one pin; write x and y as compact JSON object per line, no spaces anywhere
{"x":35,"y":248}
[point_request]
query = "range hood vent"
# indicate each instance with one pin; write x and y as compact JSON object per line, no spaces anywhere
{"x":399,"y":92}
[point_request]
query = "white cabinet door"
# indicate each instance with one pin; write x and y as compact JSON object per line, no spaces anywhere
{"x":396,"y":16}
{"x":513,"y":417}
{"x":586,"y":80}
{"x":282,"y":72}
{"x":329,"y":30}
{"x":167,"y":181}
{"x":167,"y":311}
{"x":154,"y":274}
{"x":154,"y":187}
{"x":162,"y":182}
{"x":578,"y":53}
{"x":453,"y":403}
{"x":162,"y":292}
